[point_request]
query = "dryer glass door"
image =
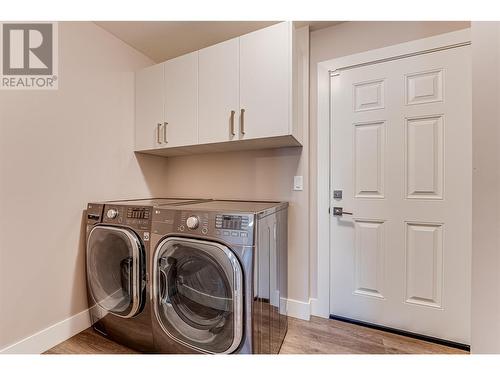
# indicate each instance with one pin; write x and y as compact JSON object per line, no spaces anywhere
{"x":116,"y":270}
{"x":198,"y":297}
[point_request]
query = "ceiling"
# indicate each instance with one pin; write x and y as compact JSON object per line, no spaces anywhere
{"x":163,"y":40}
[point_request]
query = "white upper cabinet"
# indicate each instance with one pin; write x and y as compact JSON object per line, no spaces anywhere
{"x":245,"y":93}
{"x":265,"y":81}
{"x":181,"y":101}
{"x":218,"y":92}
{"x":149,"y":111}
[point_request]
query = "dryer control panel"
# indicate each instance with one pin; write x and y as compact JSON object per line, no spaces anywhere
{"x":233,"y":228}
{"x":234,"y":222}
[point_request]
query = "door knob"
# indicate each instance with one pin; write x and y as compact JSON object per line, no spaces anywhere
{"x":339,"y":211}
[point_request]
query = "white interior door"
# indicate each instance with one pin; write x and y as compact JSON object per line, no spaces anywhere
{"x":401,"y":154}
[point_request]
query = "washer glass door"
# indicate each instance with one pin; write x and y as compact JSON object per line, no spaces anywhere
{"x":116,"y":270}
{"x":198,"y":297}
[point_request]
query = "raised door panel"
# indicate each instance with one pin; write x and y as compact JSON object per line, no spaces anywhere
{"x":369,"y":95}
{"x":369,"y":144}
{"x":424,"y":264}
{"x":218,"y":92}
{"x":265,"y":80}
{"x":424,"y":87}
{"x":181,"y":101}
{"x":424,"y":157}
{"x":369,"y":258}
{"x":149,"y":107}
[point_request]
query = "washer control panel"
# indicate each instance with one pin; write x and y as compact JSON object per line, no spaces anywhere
{"x":141,"y":213}
{"x":112,"y":213}
{"x":94,"y":213}
{"x":193,"y":222}
{"x":135,"y":216}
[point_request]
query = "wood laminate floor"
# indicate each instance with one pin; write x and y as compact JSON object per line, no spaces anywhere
{"x":317,"y":336}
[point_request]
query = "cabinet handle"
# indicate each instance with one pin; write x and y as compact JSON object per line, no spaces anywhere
{"x":242,"y":121}
{"x":165,"y":132}
{"x":232,"y":123}
{"x":158,"y":127}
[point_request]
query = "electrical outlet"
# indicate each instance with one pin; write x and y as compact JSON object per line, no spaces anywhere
{"x":298,"y":183}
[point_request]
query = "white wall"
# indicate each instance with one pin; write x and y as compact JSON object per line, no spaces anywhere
{"x":485,"y":325}
{"x":59,"y":150}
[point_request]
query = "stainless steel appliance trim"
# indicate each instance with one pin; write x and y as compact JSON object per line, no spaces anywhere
{"x":163,"y":297}
{"x":135,"y":261}
{"x":237,"y":292}
{"x":273,"y":210}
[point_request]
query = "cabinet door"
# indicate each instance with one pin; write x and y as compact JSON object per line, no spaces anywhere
{"x":181,"y":101}
{"x":149,"y":107}
{"x":265,"y":79}
{"x":218,"y":92}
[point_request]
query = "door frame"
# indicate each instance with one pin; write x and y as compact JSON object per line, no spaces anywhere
{"x":326,"y":69}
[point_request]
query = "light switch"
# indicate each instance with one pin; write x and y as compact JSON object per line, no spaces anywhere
{"x":298,"y":183}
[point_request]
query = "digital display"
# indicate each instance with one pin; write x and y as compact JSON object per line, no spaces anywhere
{"x":231,"y":222}
{"x":138,"y":213}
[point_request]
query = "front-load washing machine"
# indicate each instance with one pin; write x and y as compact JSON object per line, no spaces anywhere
{"x":219,"y":277}
{"x":118,"y":266}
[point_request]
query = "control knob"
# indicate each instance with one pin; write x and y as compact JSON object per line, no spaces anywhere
{"x":192,"y":222}
{"x":112,"y":213}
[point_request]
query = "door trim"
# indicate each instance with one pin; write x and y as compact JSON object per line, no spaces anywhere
{"x":321,"y":307}
{"x":397,"y":57}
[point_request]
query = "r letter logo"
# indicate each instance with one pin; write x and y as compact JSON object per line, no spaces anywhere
{"x":29,"y":56}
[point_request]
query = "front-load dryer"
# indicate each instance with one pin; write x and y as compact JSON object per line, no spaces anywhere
{"x":118,"y":263}
{"x":219,"y":277}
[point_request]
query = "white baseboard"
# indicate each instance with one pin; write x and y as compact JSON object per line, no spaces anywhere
{"x":51,"y":336}
{"x":319,"y":309}
{"x":299,"y":309}
{"x":314,"y":306}
{"x":304,"y":310}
